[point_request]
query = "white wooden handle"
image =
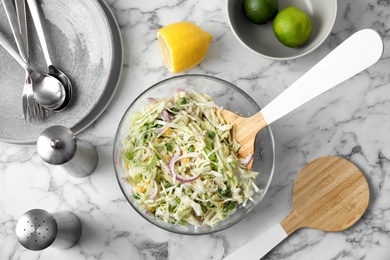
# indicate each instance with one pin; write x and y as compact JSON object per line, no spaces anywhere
{"x":261,"y":245}
{"x":355,"y":54}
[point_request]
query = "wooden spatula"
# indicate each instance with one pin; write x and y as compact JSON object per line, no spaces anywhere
{"x":330,"y":194}
{"x":354,"y":55}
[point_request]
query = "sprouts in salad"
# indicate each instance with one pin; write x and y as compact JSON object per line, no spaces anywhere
{"x":181,"y":161}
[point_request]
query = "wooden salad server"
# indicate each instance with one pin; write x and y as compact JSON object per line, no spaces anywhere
{"x":330,"y":194}
{"x":355,"y":54}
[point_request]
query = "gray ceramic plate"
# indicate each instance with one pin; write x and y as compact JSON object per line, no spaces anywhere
{"x":84,"y":41}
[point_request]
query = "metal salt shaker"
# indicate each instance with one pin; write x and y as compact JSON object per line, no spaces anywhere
{"x":38,"y":229}
{"x":58,"y":145}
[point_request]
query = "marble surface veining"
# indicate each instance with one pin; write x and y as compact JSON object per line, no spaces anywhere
{"x":352,"y":121}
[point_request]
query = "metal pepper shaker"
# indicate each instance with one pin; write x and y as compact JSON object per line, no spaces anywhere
{"x":58,"y":145}
{"x":38,"y":229}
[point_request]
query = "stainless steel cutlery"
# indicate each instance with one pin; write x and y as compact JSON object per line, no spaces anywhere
{"x":42,"y":91}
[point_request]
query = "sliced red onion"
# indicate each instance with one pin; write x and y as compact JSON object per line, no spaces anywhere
{"x":155,"y":190}
{"x":160,"y":130}
{"x":166,"y":116}
{"x":247,"y":160}
{"x":172,"y":162}
{"x":152,"y":100}
{"x":184,"y":180}
{"x":116,"y":160}
{"x":171,"y":166}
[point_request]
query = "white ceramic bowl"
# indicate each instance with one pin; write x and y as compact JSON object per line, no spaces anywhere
{"x":261,"y":39}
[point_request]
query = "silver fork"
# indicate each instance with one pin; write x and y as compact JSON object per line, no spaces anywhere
{"x":27,"y":97}
{"x":34,"y":109}
{"x":31,"y":109}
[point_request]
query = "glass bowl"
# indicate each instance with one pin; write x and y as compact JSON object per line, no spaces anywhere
{"x":225,"y":95}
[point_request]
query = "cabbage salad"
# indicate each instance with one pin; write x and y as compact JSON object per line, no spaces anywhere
{"x":181,"y":161}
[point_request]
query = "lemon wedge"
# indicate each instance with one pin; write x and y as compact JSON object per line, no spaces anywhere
{"x":183,"y":45}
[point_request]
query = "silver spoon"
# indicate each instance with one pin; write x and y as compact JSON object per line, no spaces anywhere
{"x":53,"y":71}
{"x":48,"y":91}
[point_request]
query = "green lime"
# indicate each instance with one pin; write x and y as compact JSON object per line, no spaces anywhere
{"x":292,"y":27}
{"x":260,"y":11}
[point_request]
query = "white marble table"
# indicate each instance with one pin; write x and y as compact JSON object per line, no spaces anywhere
{"x":352,"y":121}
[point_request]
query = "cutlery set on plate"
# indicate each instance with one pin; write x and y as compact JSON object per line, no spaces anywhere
{"x":43,"y":91}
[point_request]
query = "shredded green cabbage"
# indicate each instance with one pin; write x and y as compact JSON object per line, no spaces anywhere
{"x":181,"y":161}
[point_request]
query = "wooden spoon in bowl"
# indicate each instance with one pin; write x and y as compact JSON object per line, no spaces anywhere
{"x":357,"y":53}
{"x":330,"y":194}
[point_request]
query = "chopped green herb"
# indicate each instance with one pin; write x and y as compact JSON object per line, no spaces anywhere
{"x":224,"y":193}
{"x":229,"y":206}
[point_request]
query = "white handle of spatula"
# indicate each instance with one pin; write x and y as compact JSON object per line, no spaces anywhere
{"x":355,"y":54}
{"x":261,"y":245}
